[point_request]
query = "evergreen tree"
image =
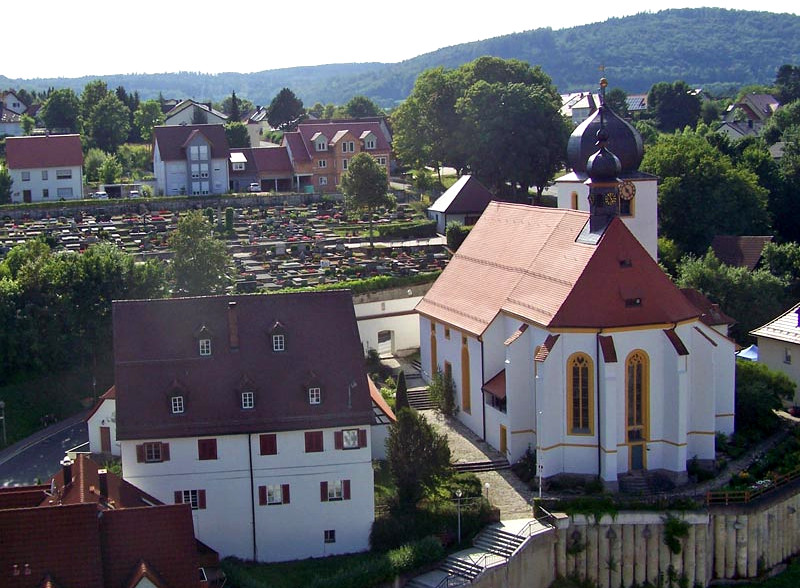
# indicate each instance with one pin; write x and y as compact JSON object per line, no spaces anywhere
{"x":401,"y":393}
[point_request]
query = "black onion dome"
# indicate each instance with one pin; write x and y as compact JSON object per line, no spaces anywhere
{"x":623,"y":140}
{"x":603,"y":166}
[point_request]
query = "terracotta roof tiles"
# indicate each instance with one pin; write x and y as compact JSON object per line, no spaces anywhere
{"x":740,"y":250}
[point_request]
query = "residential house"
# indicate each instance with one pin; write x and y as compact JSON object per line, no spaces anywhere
{"x":463,"y":202}
{"x":753,"y":109}
{"x":638,"y":201}
{"x":319,"y":150}
{"x":10,"y":122}
{"x":778,"y":344}
{"x":190,"y":159}
{"x":12,"y":102}
{"x":636,"y":103}
{"x":189,"y":112}
{"x":102,"y":425}
{"x":740,"y":250}
{"x":257,"y":125}
{"x":45,"y":168}
{"x":269,"y":167}
{"x":577,"y":106}
{"x":100,"y":531}
{"x":563,"y":335}
{"x":256,"y":411}
{"x":736,"y":130}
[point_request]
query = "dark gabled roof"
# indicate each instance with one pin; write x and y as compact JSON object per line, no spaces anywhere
{"x":466,"y":196}
{"x":171,"y":140}
{"x":156,"y":353}
{"x":740,"y":250}
{"x":111,"y":394}
{"x":355,"y":126}
{"x":44,"y":151}
{"x":22,"y":496}
{"x":712,"y":314}
{"x":266,"y":161}
{"x":296,"y":146}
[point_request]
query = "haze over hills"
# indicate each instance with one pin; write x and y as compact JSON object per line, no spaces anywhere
{"x":706,"y":47}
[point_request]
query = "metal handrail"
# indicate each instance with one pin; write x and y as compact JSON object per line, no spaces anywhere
{"x":745,"y":496}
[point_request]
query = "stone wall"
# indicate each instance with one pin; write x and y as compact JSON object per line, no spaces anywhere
{"x":723,"y":543}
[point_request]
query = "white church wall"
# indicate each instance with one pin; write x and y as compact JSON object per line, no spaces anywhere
{"x":702,"y":370}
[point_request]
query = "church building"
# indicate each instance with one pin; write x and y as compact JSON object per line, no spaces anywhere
{"x":563,"y":336}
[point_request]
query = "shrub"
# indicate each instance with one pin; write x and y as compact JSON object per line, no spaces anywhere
{"x":442,"y":392}
{"x":423,"y":228}
{"x":456,"y":233}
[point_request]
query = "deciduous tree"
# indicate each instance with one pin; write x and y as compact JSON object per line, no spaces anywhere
{"x":148,"y":116}
{"x":285,"y":110}
{"x":61,"y":110}
{"x":362,"y":107}
{"x":201,"y":261}
{"x":366,"y":186}
{"x":237,"y":134}
{"x":673,"y":105}
{"x":108,"y":123}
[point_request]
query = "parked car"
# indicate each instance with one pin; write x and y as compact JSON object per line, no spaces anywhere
{"x":255,"y":187}
{"x":134,"y":194}
{"x":101,"y":195}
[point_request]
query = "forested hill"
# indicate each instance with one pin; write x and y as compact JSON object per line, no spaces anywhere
{"x":706,"y":47}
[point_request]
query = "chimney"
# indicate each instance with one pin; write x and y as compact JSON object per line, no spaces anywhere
{"x":233,"y":325}
{"x":102,"y":477}
{"x":66,"y":467}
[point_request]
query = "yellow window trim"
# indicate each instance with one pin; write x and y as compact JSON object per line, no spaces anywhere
{"x":571,"y":391}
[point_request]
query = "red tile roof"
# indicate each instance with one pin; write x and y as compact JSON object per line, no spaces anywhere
{"x":171,"y":140}
{"x":712,"y":314}
{"x":379,"y":401}
{"x":740,"y":251}
{"x":156,"y":352}
{"x":44,"y":151}
{"x":525,"y":261}
{"x":266,"y":161}
{"x":22,"y":496}
{"x":110,"y":394}
{"x":356,"y":127}
{"x":496,"y":386}
{"x":466,"y":196}
{"x":296,"y":146}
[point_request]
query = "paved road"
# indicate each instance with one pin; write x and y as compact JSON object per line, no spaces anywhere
{"x":38,"y":456}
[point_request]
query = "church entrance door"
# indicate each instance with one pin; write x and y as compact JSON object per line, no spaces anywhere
{"x":637,"y":457}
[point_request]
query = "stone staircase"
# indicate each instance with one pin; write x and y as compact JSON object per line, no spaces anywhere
{"x":499,"y":542}
{"x":461,"y":568}
{"x":419,"y":399}
{"x":482,"y":466}
{"x":644,"y":483}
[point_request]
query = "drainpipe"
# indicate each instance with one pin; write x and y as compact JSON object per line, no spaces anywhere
{"x":252,"y":495}
{"x":599,"y":408}
{"x":483,"y":398}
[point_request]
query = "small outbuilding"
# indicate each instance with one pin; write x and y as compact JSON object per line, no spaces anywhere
{"x":463,"y":202}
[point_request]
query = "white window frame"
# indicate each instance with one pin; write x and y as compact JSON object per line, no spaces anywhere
{"x":45,"y":193}
{"x":44,"y":174}
{"x":274,"y":494}
{"x":344,"y":164}
{"x":177,"y":404}
{"x":787,"y":356}
{"x":63,"y":174}
{"x":348,"y":147}
{"x":321,"y":146}
{"x":278,"y":343}
{"x":248,"y":400}
{"x":65,"y":192}
{"x":335,"y":491}
{"x":330,"y":536}
{"x":323,"y":181}
{"x":203,"y":170}
{"x":26,"y":176}
{"x":192,"y":498}
{"x":350,"y":439}
{"x":238,"y":166}
{"x":198,"y":152}
{"x":205,"y":347}
{"x":381,"y":160}
{"x":152,"y":453}
{"x":322,"y":163}
{"x":315,"y":395}
{"x":369,"y":144}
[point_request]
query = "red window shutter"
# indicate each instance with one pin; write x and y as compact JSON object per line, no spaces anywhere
{"x":323,"y":491}
{"x":313,"y":441}
{"x":262,"y":495}
{"x":178,"y":497}
{"x":338,"y":439}
{"x":346,"y":489}
{"x":165,"y":452}
{"x":285,"y":493}
{"x":140,"y":453}
{"x":362,"y":437}
{"x":319,"y":441}
{"x":309,"y":441}
{"x":201,"y":498}
{"x":269,"y":444}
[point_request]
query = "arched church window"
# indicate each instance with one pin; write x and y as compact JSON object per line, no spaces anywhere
{"x":580,"y":389}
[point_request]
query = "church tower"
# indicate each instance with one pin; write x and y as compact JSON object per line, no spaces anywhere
{"x":636,"y":194}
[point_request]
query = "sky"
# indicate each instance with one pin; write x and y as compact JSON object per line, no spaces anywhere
{"x":89,"y":37}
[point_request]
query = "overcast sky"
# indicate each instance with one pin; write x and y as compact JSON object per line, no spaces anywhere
{"x":89,"y":37}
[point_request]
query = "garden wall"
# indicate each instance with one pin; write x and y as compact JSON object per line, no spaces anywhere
{"x":723,"y":543}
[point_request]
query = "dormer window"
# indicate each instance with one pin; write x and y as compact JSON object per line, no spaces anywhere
{"x":314,"y":395}
{"x":278,"y":343}
{"x":205,"y":347}
{"x":248,"y":400}
{"x":320,"y":142}
{"x":238,"y":166}
{"x":369,"y":143}
{"x":177,"y":404}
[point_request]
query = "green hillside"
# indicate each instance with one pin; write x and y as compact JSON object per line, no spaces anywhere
{"x":708,"y":47}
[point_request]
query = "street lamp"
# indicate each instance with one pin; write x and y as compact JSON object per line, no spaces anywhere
{"x":488,"y":487}
{"x":3,"y":418}
{"x":458,"y":495}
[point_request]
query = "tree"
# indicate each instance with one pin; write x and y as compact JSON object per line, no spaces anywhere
{"x":5,"y":185}
{"x":759,"y":390}
{"x":366,"y":186}
{"x":417,"y":456}
{"x":709,"y":112}
{"x":285,"y":110}
{"x":28,"y":124}
{"x":782,"y":119}
{"x":783,"y":261}
{"x":674,"y":106}
{"x":702,"y":193}
{"x":237,"y":134}
{"x":108,"y":123}
{"x":787,"y":81}
{"x":243,"y":105}
{"x":401,"y":393}
{"x":61,"y":110}
{"x":617,"y":100}
{"x":92,"y":162}
{"x":442,"y":391}
{"x":361,"y":107}
{"x":752,"y":298}
{"x":91,"y":96}
{"x":148,"y":116}
{"x":200,"y":262}
{"x":110,"y":171}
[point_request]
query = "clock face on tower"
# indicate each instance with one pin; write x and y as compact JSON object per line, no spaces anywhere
{"x":627,"y":190}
